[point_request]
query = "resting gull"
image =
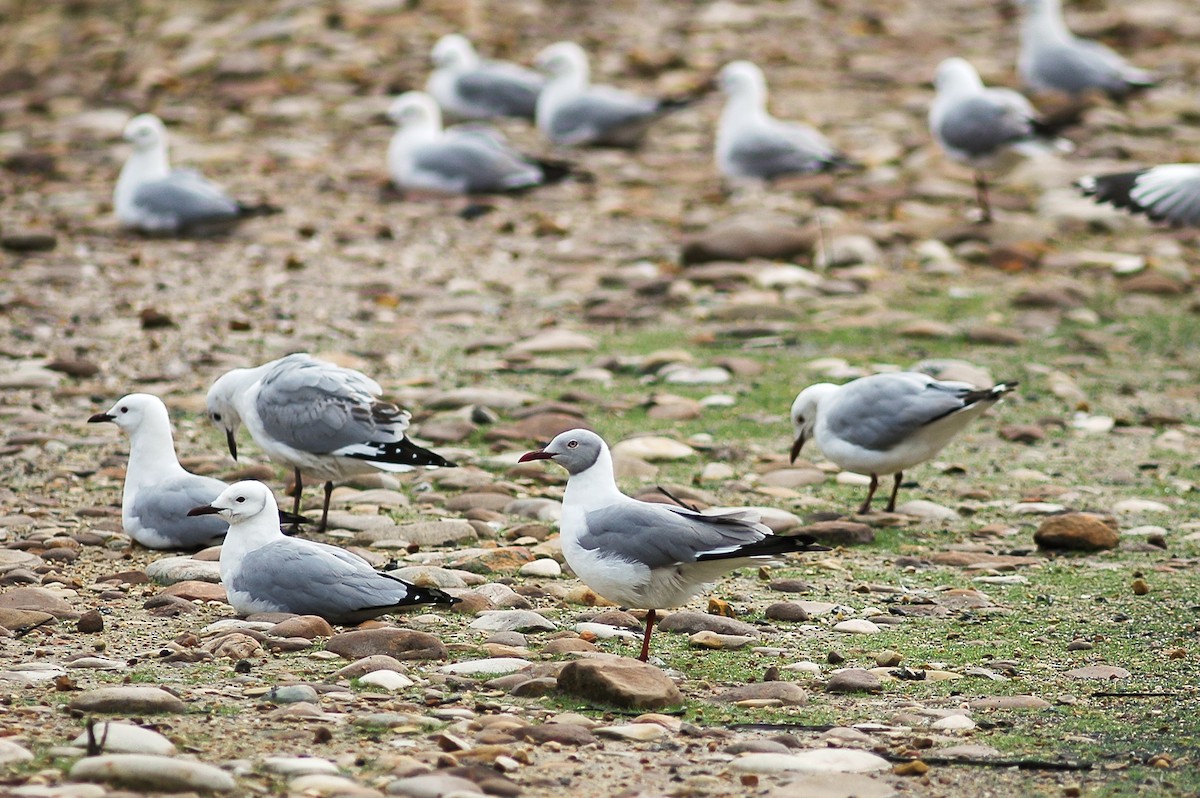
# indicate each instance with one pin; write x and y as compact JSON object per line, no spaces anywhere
{"x":470,"y":87}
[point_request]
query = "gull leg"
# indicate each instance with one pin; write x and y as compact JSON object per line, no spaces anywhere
{"x":325,"y":509}
{"x":981,"y":196}
{"x":296,"y":503}
{"x":866,"y":506}
{"x":891,"y":507}
{"x":650,"y":617}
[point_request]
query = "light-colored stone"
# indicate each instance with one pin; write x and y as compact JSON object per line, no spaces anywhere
{"x":155,"y":773}
{"x":818,"y":760}
{"x":512,"y":621}
{"x":544,"y":568}
{"x":387,"y":679}
{"x":128,"y":700}
{"x":857,"y":626}
{"x":653,"y":448}
{"x":125,"y":738}
{"x":492,"y":666}
{"x":640,"y":732}
{"x":169,"y":570}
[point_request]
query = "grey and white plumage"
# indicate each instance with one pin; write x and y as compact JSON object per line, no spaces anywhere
{"x":151,"y":197}
{"x":886,"y":423}
{"x":469,"y":87}
{"x":1052,"y":59}
{"x":422,"y":156}
{"x":573,"y":112}
{"x":158,"y":491}
{"x":643,"y":554}
{"x":753,"y":144}
{"x":985,"y":128}
{"x":263,"y":571}
{"x":1167,"y":193}
{"x":318,"y":418}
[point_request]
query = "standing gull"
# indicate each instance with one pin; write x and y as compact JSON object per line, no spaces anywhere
{"x":885,"y":423}
{"x":753,"y":144}
{"x":152,"y":197}
{"x":318,"y":418}
{"x":422,"y":156}
{"x":646,"y":555}
{"x":986,"y":128}
{"x":572,"y":112}
{"x":263,"y":571}
{"x":470,"y":87}
{"x":158,"y":491}
{"x":1167,"y":193}
{"x":1052,"y":59}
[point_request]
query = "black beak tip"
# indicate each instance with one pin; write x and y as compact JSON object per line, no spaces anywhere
{"x":206,"y":509}
{"x":96,"y":419}
{"x":232,"y":441}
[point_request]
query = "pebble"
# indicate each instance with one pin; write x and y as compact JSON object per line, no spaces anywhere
{"x":641,"y":732}
{"x":689,"y":622}
{"x":604,"y":631}
{"x":834,"y":785}
{"x":839,"y":533}
{"x":169,"y":570}
{"x":621,"y":682}
{"x":853,"y":680}
{"x":713,"y":640}
{"x":492,"y":666}
{"x":685,"y":375}
{"x":545,"y":567}
{"x":1078,"y":531}
{"x":930,"y":511}
{"x":16,"y":620}
{"x":787,"y":693}
{"x":299,"y":765}
{"x":432,"y":576}
{"x":562,"y":733}
{"x":310,"y":627}
{"x":512,"y":621}
{"x":786,"y":611}
{"x":819,"y":760}
{"x":433,"y":785}
{"x":292,"y":694}
{"x":1140,"y":506}
{"x":857,"y":626}
{"x":328,"y":784}
{"x":125,"y":738}
{"x":953,"y":723}
{"x":387,"y":679}
{"x":13,"y":754}
{"x":398,"y":643}
{"x":370,"y":664}
{"x":38,"y":599}
{"x":1010,"y":702}
{"x":653,"y":448}
{"x":130,"y":700}
{"x":717,"y":472}
{"x":1098,"y":672}
{"x":90,"y":622}
{"x":158,"y":773}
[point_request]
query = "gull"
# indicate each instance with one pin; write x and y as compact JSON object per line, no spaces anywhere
{"x":1166,"y":193}
{"x":1052,"y":59}
{"x":151,"y":197}
{"x":985,"y":128}
{"x":318,"y":418}
{"x":470,"y":87}
{"x":158,"y":491}
{"x":648,"y":555}
{"x":572,"y":112}
{"x":422,"y":156}
{"x":753,"y":144}
{"x":886,"y":423}
{"x":263,"y":571}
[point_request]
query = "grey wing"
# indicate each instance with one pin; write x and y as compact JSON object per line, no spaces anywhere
{"x":1170,"y":193}
{"x":595,"y":114}
{"x":980,"y":125}
{"x":780,"y":150}
{"x":187,"y":197}
{"x":163,"y":510}
{"x":320,"y":408}
{"x":477,"y":162}
{"x":880,"y":412}
{"x":314,"y":579}
{"x":1079,"y":65}
{"x":506,"y":92}
{"x":658,"y":535}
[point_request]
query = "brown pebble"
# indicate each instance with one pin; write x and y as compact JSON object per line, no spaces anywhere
{"x":1072,"y":791}
{"x":914,"y":768}
{"x":1140,"y":588}
{"x":90,"y":622}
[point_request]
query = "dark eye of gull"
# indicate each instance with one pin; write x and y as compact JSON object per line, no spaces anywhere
{"x":124,"y":409}
{"x":216,"y":416}
{"x":240,"y":499}
{"x":572,"y":444}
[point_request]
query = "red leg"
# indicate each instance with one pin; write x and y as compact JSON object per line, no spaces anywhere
{"x":866,"y":506}
{"x":891,"y":507}
{"x":981,"y":196}
{"x":650,"y":618}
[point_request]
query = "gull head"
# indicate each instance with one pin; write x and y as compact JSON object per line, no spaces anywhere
{"x":955,"y":74}
{"x":576,"y":450}
{"x":240,"y":502}
{"x":145,"y":132}
{"x":414,"y":109}
{"x":131,"y":411}
{"x":741,"y":79}
{"x":562,"y":58}
{"x":222,"y":408}
{"x":453,"y":51}
{"x":804,"y":414}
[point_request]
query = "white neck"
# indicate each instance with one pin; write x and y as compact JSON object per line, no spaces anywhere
{"x":151,"y":454}
{"x":596,"y":487}
{"x":1045,"y":23}
{"x":247,"y":536}
{"x":142,"y":166}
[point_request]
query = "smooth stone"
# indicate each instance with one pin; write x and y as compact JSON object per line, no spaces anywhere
{"x":129,"y":700}
{"x":819,"y":760}
{"x":15,"y":620}
{"x":1098,"y":672}
{"x":425,"y":533}
{"x":719,"y":641}
{"x":653,"y":448}
{"x":786,"y":611}
{"x":492,"y":666}
{"x":1009,"y":702}
{"x":713,"y":375}
{"x":369,"y":664}
{"x":967,"y":751}
{"x":38,"y":599}
{"x":169,"y":570}
{"x":157,"y":773}
{"x":299,"y":765}
{"x":13,"y":754}
{"x":930,"y":511}
{"x":61,"y":791}
{"x":604,"y":631}
{"x":495,"y":398}
{"x":621,"y":682}
{"x":857,"y":626}
{"x":387,"y":679}
{"x":293,"y":694}
{"x":433,"y":785}
{"x":545,"y":568}
{"x":1078,"y":532}
{"x":689,"y":622}
{"x":1140,"y":506}
{"x":641,"y":732}
{"x":953,"y":723}
{"x":853,"y":680}
{"x":562,"y":733}
{"x":839,"y":533}
{"x":310,"y":627}
{"x":555,"y":340}
{"x":834,"y":785}
{"x":125,"y":738}
{"x":331,"y":785}
{"x":512,"y":621}
{"x":788,"y":693}
{"x":431,"y":576}
{"x":401,"y":644}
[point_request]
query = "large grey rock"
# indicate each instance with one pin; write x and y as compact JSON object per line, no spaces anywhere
{"x":170,"y":570}
{"x":397,"y":643}
{"x":621,"y":682}
{"x":153,"y":773}
{"x":130,"y":700}
{"x":789,"y":693}
{"x":692,"y":622}
{"x":125,"y":738}
{"x":512,"y":621}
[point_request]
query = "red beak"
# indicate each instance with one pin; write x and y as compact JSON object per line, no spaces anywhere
{"x":540,"y":454}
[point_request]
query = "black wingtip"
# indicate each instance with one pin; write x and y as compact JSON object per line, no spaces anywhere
{"x":246,"y":210}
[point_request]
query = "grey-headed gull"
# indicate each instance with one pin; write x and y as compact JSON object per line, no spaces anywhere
{"x":573,"y":112}
{"x":1167,"y":193}
{"x":886,"y":423}
{"x":158,"y":491}
{"x":151,"y":197}
{"x":642,"y":554}
{"x":469,"y":87}
{"x":985,"y":128}
{"x":463,"y":160}
{"x":263,"y":571}
{"x":753,"y":144}
{"x":318,"y":418}
{"x":1052,"y":59}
